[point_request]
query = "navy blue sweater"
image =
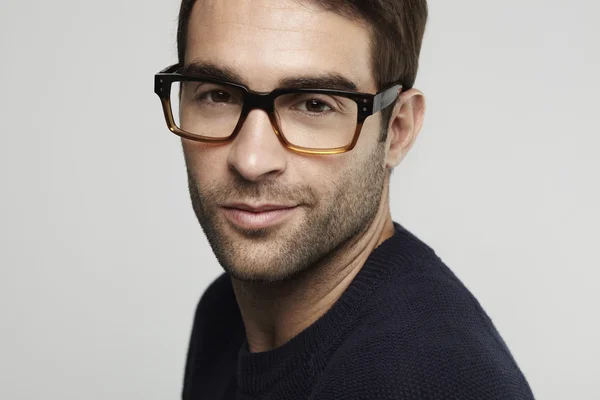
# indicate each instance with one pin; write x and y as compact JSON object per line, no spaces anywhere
{"x":405,"y":328}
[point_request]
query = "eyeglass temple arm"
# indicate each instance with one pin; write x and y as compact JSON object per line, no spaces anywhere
{"x":386,"y":98}
{"x":170,"y":69}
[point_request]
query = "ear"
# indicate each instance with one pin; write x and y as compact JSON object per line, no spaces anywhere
{"x":404,"y":126}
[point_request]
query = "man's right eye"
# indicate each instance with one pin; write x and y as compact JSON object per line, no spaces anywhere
{"x":216,"y":96}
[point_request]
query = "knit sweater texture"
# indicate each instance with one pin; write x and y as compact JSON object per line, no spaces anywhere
{"x":406,"y":328}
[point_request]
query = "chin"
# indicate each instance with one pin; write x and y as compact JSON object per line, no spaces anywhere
{"x":266,"y":276}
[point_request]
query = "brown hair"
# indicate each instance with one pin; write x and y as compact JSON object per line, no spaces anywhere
{"x":397,"y":28}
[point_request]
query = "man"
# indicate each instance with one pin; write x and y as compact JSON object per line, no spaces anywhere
{"x":293,"y":114}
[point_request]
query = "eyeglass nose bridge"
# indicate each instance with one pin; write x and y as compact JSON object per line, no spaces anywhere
{"x":261,"y":101}
{"x":264,"y":102}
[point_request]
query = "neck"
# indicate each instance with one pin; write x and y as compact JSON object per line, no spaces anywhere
{"x":275,"y":313}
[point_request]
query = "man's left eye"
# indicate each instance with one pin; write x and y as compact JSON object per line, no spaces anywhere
{"x":315,"y":106}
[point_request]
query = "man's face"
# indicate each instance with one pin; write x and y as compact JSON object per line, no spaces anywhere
{"x":325,"y":200}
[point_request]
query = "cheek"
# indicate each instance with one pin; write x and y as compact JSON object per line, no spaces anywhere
{"x":370,"y":132}
{"x":324,"y":174}
{"x":206,"y":162}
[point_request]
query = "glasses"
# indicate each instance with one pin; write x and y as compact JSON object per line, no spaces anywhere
{"x":310,"y":121}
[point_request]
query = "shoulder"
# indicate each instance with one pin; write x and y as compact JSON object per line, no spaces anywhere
{"x":217,"y":320}
{"x":217,"y":333}
{"x":217,"y":308}
{"x":424,"y":336}
{"x":219,"y":290}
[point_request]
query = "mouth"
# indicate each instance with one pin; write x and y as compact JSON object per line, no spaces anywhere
{"x":258,"y":216}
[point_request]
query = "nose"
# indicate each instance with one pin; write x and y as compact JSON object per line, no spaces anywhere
{"x":256,"y":153}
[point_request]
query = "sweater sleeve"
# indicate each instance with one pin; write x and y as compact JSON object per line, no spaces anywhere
{"x":437,"y":344}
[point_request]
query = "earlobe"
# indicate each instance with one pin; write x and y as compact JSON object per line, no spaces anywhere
{"x":404,"y":126}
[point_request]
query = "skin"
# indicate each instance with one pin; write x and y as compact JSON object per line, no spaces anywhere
{"x":287,"y":276}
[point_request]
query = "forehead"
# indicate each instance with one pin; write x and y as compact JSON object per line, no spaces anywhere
{"x":266,"y":41}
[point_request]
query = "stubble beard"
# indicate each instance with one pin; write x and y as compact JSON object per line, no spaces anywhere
{"x":279,"y":254}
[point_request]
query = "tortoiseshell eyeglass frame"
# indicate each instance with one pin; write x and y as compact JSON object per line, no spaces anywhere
{"x":367,"y":105}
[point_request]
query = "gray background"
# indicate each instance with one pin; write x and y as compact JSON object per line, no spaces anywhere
{"x":102,"y":260}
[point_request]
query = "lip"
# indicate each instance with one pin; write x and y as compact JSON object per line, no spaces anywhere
{"x":259,"y":207}
{"x":257,"y":216}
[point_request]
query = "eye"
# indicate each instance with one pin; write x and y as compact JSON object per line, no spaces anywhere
{"x":217,"y":96}
{"x":314,"y":106}
{"x":214,"y":94}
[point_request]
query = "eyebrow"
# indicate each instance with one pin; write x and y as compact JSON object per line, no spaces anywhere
{"x":210,"y":70}
{"x":324,"y":81}
{"x":327,"y":80}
